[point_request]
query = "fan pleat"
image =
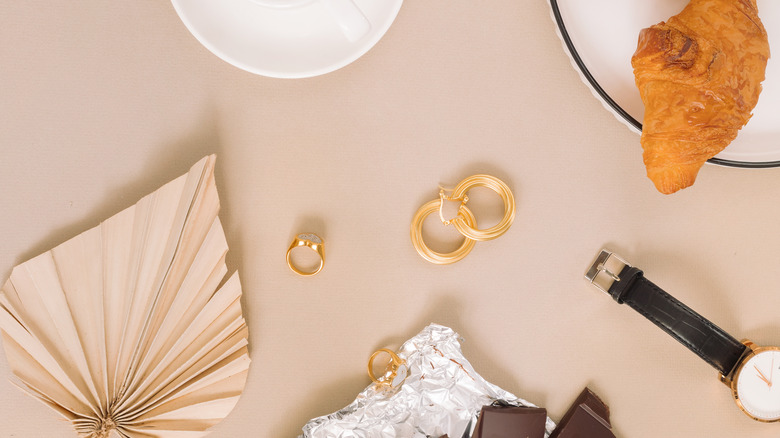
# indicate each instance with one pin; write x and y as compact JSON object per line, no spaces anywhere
{"x":128,"y":330}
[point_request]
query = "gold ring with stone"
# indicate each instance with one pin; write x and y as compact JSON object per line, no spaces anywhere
{"x":311,"y":241}
{"x":395,"y":371}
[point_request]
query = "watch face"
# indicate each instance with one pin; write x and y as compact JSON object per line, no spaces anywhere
{"x":757,"y":386}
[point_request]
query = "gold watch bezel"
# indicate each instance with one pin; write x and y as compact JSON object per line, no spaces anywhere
{"x":732,"y":379}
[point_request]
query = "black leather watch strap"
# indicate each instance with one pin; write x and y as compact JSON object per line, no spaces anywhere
{"x":694,"y":331}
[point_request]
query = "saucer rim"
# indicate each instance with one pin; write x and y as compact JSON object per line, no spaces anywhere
{"x":361,"y":47}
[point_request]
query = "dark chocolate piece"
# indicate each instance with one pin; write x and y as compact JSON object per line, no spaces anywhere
{"x":510,"y":422}
{"x":588,"y":417}
{"x":583,"y":423}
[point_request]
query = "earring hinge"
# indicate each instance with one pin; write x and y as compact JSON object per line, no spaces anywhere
{"x":444,"y":197}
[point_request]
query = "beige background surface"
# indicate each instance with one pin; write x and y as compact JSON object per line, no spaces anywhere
{"x":102,"y":102}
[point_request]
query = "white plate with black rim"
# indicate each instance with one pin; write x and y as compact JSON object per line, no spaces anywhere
{"x":601,"y":35}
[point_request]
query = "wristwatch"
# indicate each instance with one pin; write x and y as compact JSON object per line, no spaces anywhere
{"x":746,"y":368}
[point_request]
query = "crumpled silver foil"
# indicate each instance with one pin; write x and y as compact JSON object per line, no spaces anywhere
{"x":442,"y":394}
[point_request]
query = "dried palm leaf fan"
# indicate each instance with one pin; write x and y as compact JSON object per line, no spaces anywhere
{"x":129,"y":329}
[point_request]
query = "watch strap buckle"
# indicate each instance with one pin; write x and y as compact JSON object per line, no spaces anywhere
{"x":605,"y":270}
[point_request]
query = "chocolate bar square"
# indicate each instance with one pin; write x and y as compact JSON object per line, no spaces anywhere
{"x":588,"y":417}
{"x":510,"y":422}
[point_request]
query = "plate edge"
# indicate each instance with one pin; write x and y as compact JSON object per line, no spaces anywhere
{"x":610,"y":105}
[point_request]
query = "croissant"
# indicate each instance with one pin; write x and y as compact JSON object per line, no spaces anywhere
{"x":699,"y":76}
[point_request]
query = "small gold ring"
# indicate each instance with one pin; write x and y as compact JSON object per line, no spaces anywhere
{"x":436,"y":257}
{"x":396,"y":370}
{"x":309,"y":240}
{"x":467,"y":228}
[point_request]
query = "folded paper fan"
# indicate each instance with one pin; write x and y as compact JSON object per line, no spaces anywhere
{"x":131,"y":329}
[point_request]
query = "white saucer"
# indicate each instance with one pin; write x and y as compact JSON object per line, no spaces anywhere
{"x":294,"y":42}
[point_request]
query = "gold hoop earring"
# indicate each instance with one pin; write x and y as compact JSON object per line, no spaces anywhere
{"x":498,"y":186}
{"x":436,"y":257}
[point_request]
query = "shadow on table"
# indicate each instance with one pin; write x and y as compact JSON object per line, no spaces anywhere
{"x":311,"y":406}
{"x":170,"y":162}
{"x":447,"y":310}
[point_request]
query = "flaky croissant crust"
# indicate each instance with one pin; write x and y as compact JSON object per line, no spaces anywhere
{"x":699,"y":76}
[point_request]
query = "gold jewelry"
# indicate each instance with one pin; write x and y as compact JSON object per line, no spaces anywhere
{"x":396,"y":370}
{"x":417,"y":239}
{"x":464,"y":222}
{"x":466,"y":228}
{"x":309,"y":240}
